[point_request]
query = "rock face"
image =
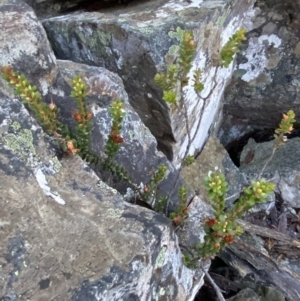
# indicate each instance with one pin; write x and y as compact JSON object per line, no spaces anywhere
{"x":138,"y":154}
{"x":65,"y":234}
{"x":283,"y":169}
{"x":135,"y":42}
{"x":266,"y":80}
{"x":214,"y":157}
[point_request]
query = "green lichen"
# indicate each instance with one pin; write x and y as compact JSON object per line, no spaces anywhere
{"x":100,"y":38}
{"x":56,"y":164}
{"x":147,"y":30}
{"x":114,"y":213}
{"x":178,"y":34}
{"x":15,"y":126}
{"x":102,"y":185}
{"x":157,"y":295}
{"x":161,"y":257}
{"x":221,"y":20}
{"x":21,"y":143}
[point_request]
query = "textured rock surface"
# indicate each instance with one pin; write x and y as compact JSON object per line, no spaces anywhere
{"x":212,"y":157}
{"x":266,"y":82}
{"x":29,"y":52}
{"x":24,"y":44}
{"x":283,"y":169}
{"x":65,"y":235}
{"x":264,"y":294}
{"x":134,"y":41}
{"x":138,"y":153}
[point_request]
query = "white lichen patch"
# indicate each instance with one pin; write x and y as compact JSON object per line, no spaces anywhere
{"x":256,"y":55}
{"x":42,"y":181}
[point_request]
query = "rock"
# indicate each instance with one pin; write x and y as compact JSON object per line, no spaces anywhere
{"x":214,"y":157}
{"x":283,"y":169}
{"x":265,"y":294}
{"x":24,"y":44}
{"x":65,"y":235}
{"x":246,"y":294}
{"x":266,"y":81}
{"x":138,"y":155}
{"x":269,"y":278}
{"x":136,"y":41}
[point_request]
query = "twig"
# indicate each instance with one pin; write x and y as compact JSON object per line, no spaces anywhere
{"x":191,"y":140}
{"x":216,"y":288}
{"x":268,"y":161}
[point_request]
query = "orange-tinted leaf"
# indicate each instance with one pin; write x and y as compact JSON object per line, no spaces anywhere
{"x":77,"y":117}
{"x":177,"y":220}
{"x":211,"y":222}
{"x":71,"y":148}
{"x":229,"y":238}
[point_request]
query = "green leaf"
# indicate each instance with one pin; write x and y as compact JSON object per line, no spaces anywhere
{"x":169,"y":97}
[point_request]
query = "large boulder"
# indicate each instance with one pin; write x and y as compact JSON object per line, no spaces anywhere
{"x":137,"y":40}
{"x":138,"y":153}
{"x":27,"y":50}
{"x":66,"y":235}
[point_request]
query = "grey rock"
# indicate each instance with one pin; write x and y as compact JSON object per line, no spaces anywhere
{"x":136,"y":41}
{"x":66,"y":235}
{"x":266,"y":81}
{"x":261,"y":293}
{"x":283,"y":169}
{"x":246,"y":294}
{"x":214,"y":157}
{"x":24,"y":44}
{"x":138,"y":154}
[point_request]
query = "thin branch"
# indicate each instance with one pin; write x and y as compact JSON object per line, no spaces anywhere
{"x":191,"y":140}
{"x":268,"y":161}
{"x":214,"y":285}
